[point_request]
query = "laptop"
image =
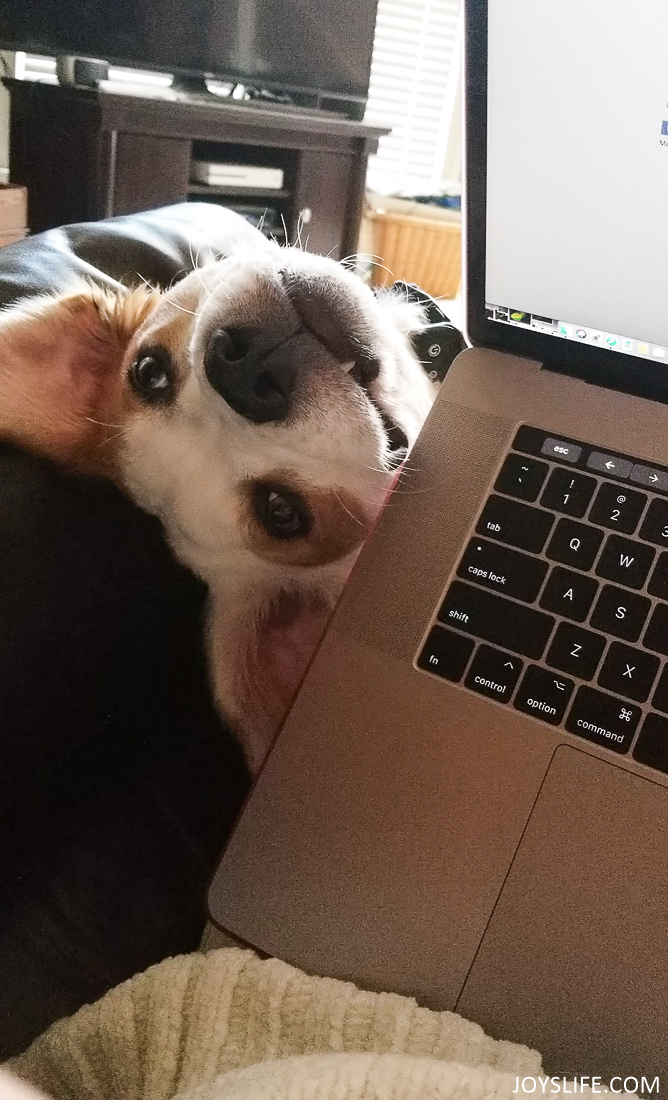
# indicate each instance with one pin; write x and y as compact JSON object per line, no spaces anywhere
{"x":468,"y":802}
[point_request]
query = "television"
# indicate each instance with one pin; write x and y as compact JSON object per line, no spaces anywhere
{"x":314,"y":52}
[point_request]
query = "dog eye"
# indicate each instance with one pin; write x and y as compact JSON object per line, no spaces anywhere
{"x":152,"y":375}
{"x":282,"y":513}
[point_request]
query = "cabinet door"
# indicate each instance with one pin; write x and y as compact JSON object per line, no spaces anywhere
{"x":149,"y":171}
{"x":326,"y":196}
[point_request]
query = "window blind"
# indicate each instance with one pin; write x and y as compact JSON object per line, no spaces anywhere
{"x":31,"y":66}
{"x":413,"y":89}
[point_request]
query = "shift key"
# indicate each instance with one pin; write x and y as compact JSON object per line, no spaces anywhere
{"x":517,"y":524}
{"x":496,"y":620}
{"x":502,"y":569}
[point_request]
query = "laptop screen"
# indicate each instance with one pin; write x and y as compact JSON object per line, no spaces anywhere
{"x":576,"y":227}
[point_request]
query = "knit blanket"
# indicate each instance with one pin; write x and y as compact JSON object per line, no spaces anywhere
{"x":229,"y":1026}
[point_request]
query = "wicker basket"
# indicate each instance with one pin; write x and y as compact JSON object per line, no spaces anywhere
{"x":419,"y":250}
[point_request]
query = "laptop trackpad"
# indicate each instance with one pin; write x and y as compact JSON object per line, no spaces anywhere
{"x":575,"y":958}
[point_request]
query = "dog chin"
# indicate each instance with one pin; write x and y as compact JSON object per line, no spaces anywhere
{"x":260,"y":660}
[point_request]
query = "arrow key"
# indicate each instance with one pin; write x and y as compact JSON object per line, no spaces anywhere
{"x":609,"y":464}
{"x":655,"y":479}
{"x":544,"y":694}
{"x":494,"y":673}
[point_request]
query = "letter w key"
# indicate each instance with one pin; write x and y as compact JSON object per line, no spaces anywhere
{"x":624,"y":561}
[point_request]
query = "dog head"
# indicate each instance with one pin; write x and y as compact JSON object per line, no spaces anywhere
{"x":260,"y":408}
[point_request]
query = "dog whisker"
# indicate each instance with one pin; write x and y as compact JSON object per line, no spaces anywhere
{"x":358,"y":521}
{"x":145,"y":281}
{"x":196,"y":266}
{"x":285,"y":229}
{"x":103,"y":423}
{"x":110,"y":439}
{"x":384,"y":267}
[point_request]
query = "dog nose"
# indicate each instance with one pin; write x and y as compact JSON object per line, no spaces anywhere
{"x":255,"y":377}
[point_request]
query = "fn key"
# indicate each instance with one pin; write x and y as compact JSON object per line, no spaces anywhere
{"x":445,"y":653}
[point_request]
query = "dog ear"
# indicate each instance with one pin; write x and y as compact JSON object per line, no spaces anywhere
{"x":61,"y":387}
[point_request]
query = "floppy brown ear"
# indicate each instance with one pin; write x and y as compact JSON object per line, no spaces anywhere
{"x":61,"y":388}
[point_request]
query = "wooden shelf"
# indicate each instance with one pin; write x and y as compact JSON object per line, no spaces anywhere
{"x":118,"y":153}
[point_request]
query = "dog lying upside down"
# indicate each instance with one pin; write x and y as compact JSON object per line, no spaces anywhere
{"x":260,"y":409}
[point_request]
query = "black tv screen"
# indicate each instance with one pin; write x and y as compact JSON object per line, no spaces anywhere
{"x":321,"y":46}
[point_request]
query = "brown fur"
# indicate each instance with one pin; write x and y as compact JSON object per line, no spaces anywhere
{"x":339,"y":525}
{"x":60,"y":380}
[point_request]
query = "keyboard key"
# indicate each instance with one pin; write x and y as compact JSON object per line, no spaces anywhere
{"x":574,"y":544}
{"x":502,"y":569}
{"x":656,"y":637}
{"x":569,"y":594}
{"x":564,"y":452}
{"x":496,"y":620}
{"x":647,"y":475}
{"x":652,"y":744}
{"x":515,"y":523}
{"x":576,"y":651}
{"x":618,"y":507}
{"x":609,"y":464}
{"x":521,"y":477}
{"x":628,"y":671}
{"x":445,"y":653}
{"x":658,"y":582}
{"x":603,"y":719}
{"x":624,"y":561}
{"x":494,"y":673}
{"x":655,"y":524}
{"x":660,"y":698}
{"x":543,"y":694}
{"x":620,"y":612}
{"x":568,"y":492}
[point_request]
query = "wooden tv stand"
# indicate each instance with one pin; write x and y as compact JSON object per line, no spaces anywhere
{"x":87,"y":153}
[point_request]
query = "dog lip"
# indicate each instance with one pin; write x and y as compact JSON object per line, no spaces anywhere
{"x":319,"y":317}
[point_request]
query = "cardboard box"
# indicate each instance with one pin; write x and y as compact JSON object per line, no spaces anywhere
{"x":13,"y":212}
{"x":12,"y":236}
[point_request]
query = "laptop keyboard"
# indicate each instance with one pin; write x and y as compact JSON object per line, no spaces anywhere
{"x":560,"y":603}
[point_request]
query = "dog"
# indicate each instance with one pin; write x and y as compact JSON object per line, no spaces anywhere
{"x":260,"y":408}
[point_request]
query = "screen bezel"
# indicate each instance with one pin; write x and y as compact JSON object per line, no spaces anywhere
{"x":612,"y":369}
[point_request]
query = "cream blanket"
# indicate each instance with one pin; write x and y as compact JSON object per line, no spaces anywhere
{"x":229,"y":1026}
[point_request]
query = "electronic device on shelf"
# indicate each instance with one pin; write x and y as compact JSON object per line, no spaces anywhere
{"x":270,"y":47}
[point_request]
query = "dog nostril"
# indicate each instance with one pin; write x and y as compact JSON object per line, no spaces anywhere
{"x":231,"y":344}
{"x":265,"y":387}
{"x":256,"y":381}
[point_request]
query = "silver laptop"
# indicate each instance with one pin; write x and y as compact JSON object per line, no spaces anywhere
{"x":468,"y":802}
